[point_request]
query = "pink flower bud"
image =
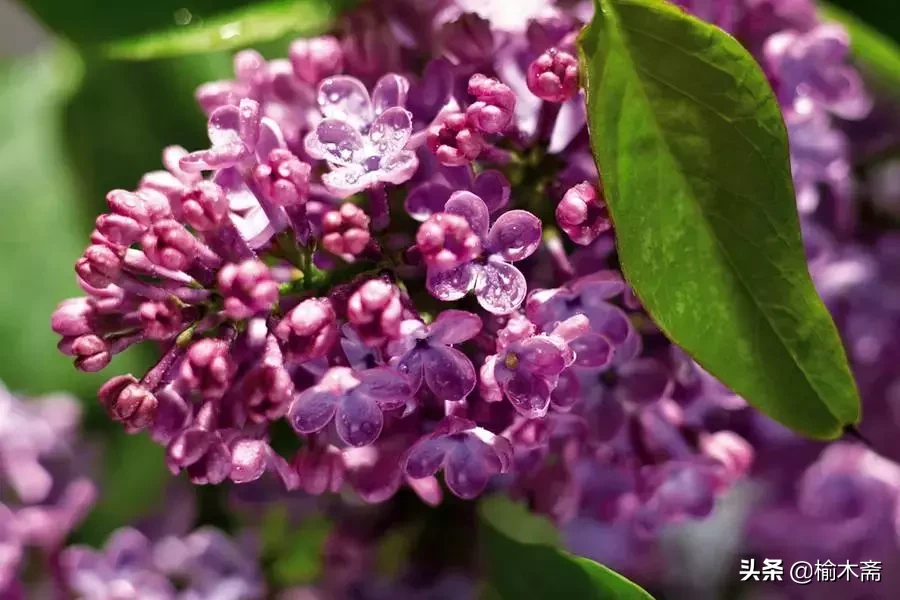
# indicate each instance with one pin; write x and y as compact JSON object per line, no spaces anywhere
{"x":446,"y":241}
{"x":129,"y":402}
{"x":453,"y":141}
{"x":119,"y":230}
{"x":376,"y":312}
{"x":283,"y":178}
{"x":345,"y":231}
{"x":249,"y":289}
{"x":267,"y":393}
{"x":99,"y":266}
{"x":308,"y":331}
{"x":583,"y":214}
{"x":316,"y":58}
{"x":161,"y":320}
{"x":494,"y":107}
{"x":208,"y":368}
{"x":169,"y":245}
{"x":553,"y":76}
{"x":91,"y":352}
{"x":73,"y":317}
{"x":202,"y":206}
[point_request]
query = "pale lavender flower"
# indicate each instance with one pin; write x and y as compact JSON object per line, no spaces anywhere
{"x":363,"y":139}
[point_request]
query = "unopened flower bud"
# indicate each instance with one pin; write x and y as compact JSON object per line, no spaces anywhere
{"x":582,"y":214}
{"x":345,"y":231}
{"x":283,"y":178}
{"x":208,"y":368}
{"x":308,"y":331}
{"x":553,"y":76}
{"x":161,"y":320}
{"x":91,"y":352}
{"x":99,"y":265}
{"x":376,"y":311}
{"x":168,"y":244}
{"x":446,"y":241}
{"x":202,"y":206}
{"x":248,"y":288}
{"x":494,"y":107}
{"x":453,"y":141}
{"x":129,"y":402}
{"x":73,"y":317}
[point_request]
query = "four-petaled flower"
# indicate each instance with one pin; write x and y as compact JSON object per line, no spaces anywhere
{"x":426,"y":353}
{"x":354,"y":400}
{"x":363,"y":139}
{"x":499,"y":286}
{"x":469,"y":455}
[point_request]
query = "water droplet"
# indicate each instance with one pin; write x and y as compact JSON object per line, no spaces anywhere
{"x":183,"y":16}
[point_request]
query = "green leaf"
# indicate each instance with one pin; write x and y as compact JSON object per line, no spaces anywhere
{"x":525,"y":563}
{"x":875,"y":53}
{"x":693,"y":154}
{"x":142,"y":30}
{"x":299,"y":559}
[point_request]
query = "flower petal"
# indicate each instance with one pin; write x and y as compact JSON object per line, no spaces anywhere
{"x":389,"y":92}
{"x":411,"y":366}
{"x":643,"y":381}
{"x":426,"y":457}
{"x":515,"y":235}
{"x":386,"y":386}
{"x":592,"y":350}
{"x":453,"y":284}
{"x":343,"y":182}
{"x":500,"y":287}
{"x":399,"y":168}
{"x":472,"y":208}
{"x":528,"y":393}
{"x":426,"y":199}
{"x":312,"y":410}
{"x":469,"y":468}
{"x":345,"y":98}
{"x":335,"y":141}
{"x":224,"y":126}
{"x":492,"y":187}
{"x":270,"y":138}
{"x":454,"y":327}
{"x":358,"y":419}
{"x":390,"y":131}
{"x":540,"y":356}
{"x":449,"y":373}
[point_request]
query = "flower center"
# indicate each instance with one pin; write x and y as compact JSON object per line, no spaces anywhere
{"x":511,"y":361}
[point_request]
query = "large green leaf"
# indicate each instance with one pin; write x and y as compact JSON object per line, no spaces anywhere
{"x":141,"y":30}
{"x":875,"y":53}
{"x":526,"y":564}
{"x":693,"y":155}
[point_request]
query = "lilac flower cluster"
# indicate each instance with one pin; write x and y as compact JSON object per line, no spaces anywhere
{"x":406,"y":254}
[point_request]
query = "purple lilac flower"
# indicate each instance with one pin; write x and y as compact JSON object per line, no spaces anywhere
{"x":355,"y":401}
{"x":426,"y":354}
{"x":499,"y":286}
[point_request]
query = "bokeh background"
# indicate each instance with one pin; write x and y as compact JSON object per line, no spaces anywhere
{"x":75,"y":125}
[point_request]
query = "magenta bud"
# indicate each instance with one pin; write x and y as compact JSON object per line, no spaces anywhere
{"x":376,"y":311}
{"x":582,"y":214}
{"x":249,"y":289}
{"x":316,"y":58}
{"x":129,"y":402}
{"x":345,"y":231}
{"x":553,"y":76}
{"x":162,"y":320}
{"x":99,"y":266}
{"x":119,"y":230}
{"x":202,"y":206}
{"x":494,"y":107}
{"x":267,"y":393}
{"x":283,"y":178}
{"x":453,"y":141}
{"x":169,"y":245}
{"x":91,"y":352}
{"x":208,"y":368}
{"x":446,"y":241}
{"x":73,"y":317}
{"x":308,"y":331}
